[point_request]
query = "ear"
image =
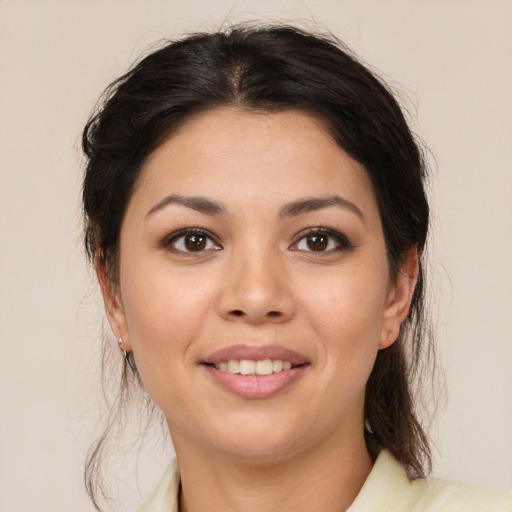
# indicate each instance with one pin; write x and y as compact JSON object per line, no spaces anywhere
{"x":112,"y":300}
{"x":399,"y":298}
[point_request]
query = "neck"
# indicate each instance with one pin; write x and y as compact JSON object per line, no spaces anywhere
{"x":325,"y":477}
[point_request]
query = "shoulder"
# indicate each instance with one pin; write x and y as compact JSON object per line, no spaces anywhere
{"x":446,"y":495}
{"x":165,"y":497}
{"x":387,"y":489}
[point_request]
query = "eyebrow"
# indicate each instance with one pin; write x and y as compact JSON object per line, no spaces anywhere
{"x":314,"y":204}
{"x":200,"y":204}
{"x":300,"y":207}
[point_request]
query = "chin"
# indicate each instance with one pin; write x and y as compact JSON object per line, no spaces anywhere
{"x":259,"y":448}
{"x":258,"y":437}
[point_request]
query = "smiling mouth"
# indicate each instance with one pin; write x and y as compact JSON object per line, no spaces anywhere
{"x":256,"y":372}
{"x":250,"y":367}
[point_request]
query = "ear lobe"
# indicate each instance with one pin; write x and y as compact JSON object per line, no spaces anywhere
{"x":112,"y":300}
{"x":400,"y":298}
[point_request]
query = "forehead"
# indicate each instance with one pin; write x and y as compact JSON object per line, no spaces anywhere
{"x":257,"y":156}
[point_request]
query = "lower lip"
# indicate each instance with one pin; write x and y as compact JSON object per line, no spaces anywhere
{"x":254,"y":387}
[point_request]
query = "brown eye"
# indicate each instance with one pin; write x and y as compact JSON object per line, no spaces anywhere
{"x":194,"y":243}
{"x":191,"y":241}
{"x":317,"y":242}
{"x":322,"y":240}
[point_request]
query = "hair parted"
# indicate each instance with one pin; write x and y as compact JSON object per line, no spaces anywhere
{"x":272,"y":69}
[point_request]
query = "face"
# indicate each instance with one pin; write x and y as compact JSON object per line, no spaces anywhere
{"x":254,"y":287}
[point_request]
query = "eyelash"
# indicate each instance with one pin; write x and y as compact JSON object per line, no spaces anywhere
{"x":341,"y":241}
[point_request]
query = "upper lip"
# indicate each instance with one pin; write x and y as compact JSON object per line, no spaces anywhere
{"x":255,"y":353}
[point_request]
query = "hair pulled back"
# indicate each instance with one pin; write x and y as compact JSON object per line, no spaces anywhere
{"x":269,"y":69}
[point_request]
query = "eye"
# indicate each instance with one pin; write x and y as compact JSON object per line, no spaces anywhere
{"x":321,"y":240}
{"x":192,"y":241}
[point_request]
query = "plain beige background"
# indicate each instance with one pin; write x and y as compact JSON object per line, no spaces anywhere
{"x":451,"y":57}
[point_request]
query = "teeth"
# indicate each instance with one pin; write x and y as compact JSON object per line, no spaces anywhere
{"x":249,"y":367}
{"x":264,"y":367}
{"x":277,"y":365}
{"x":233,"y":366}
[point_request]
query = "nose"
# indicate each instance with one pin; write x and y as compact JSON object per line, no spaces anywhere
{"x":256,"y":290}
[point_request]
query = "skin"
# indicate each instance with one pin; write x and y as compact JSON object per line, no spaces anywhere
{"x":258,"y":281}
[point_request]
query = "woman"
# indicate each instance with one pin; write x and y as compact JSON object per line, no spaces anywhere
{"x":256,"y":215}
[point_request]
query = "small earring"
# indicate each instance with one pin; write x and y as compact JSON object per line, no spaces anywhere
{"x":125,"y":353}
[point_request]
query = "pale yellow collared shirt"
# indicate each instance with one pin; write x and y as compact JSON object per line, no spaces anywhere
{"x":387,"y":489}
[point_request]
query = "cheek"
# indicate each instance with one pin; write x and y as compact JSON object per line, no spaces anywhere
{"x":164,"y":317}
{"x":347,"y":310}
{"x":345,"y":316}
{"x":164,"y":313}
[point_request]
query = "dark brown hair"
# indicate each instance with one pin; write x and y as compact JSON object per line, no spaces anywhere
{"x":269,"y":69}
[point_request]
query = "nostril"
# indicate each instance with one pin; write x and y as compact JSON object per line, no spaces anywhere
{"x":273,"y":314}
{"x":237,"y":312}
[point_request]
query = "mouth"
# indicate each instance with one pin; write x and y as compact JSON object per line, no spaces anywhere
{"x":255,"y":372}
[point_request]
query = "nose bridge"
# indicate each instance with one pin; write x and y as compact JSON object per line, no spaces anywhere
{"x":256,"y":287}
